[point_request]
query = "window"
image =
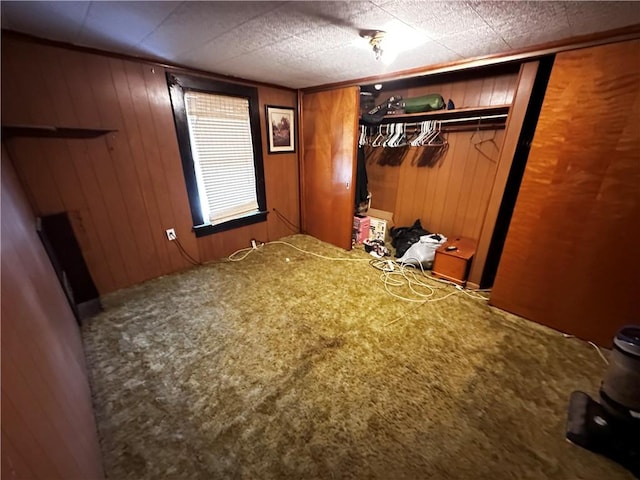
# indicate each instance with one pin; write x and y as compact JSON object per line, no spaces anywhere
{"x":218,"y":128}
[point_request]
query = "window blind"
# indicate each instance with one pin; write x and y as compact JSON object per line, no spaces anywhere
{"x":222,"y":150}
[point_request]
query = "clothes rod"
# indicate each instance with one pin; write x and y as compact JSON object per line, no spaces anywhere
{"x":453,"y":120}
{"x":468,"y":119}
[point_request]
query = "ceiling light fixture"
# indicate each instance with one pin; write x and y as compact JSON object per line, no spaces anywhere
{"x":375,"y":40}
{"x":389,"y":41}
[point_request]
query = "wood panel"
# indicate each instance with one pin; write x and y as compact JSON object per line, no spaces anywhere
{"x":48,"y":428}
{"x":451,"y":197}
{"x":486,"y":221}
{"x":124,"y":189}
{"x":281,"y":173}
{"x":570,"y":259}
{"x":329,"y":121}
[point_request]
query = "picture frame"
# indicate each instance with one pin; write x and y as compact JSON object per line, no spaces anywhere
{"x":281,"y":129}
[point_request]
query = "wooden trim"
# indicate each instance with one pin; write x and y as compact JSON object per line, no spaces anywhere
{"x":523,"y":54}
{"x":250,"y":219}
{"x":519,"y":106}
{"x":472,"y":286}
{"x":177,"y":67}
{"x":301,"y":185}
{"x":178,"y":84}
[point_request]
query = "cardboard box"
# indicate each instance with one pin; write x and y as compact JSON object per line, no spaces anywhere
{"x":361,"y":224}
{"x":380,"y":223}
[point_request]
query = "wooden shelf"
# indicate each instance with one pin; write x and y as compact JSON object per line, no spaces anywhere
{"x":473,"y":112}
{"x":52,"y":131}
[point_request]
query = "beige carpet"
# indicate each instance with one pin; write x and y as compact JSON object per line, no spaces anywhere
{"x":285,"y":365}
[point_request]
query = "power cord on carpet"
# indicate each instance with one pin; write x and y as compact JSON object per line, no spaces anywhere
{"x":249,"y":250}
{"x":604,"y":359}
{"x":244,"y":252}
{"x":396,"y":274}
{"x":393,"y":274}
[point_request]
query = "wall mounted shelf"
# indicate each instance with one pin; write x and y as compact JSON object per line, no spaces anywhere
{"x":450,"y":114}
{"x":459,"y":120}
{"x":52,"y":131}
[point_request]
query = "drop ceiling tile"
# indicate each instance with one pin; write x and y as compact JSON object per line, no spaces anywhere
{"x":339,"y":62}
{"x":263,"y":67}
{"x":122,"y":25}
{"x":339,"y":14}
{"x":522,"y":15}
{"x":52,"y":20}
{"x":194,"y":24}
{"x":473,"y":43}
{"x":242,"y":40}
{"x":436,"y":19}
{"x":589,"y":17}
{"x":429,"y":53}
{"x":321,"y":39}
{"x":374,"y":18}
{"x":522,"y":24}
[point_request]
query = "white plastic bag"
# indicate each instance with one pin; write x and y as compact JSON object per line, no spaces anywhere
{"x":423,"y":251}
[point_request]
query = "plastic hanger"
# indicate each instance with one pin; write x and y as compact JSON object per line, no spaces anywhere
{"x":379,"y":138}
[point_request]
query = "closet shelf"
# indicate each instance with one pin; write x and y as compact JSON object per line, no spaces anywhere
{"x":470,"y":114}
{"x":52,"y":131}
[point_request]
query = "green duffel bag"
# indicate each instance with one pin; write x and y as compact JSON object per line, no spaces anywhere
{"x":424,"y":103}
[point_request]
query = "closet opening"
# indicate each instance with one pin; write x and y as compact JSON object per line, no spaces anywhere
{"x":436,"y":152}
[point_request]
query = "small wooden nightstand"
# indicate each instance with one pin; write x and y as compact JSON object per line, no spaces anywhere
{"x":453,"y":263}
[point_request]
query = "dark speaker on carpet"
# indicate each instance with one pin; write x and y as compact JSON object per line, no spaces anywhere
{"x":612,"y":427}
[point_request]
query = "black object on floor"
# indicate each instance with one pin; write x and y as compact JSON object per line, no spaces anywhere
{"x":612,"y":427}
{"x":403,"y":237}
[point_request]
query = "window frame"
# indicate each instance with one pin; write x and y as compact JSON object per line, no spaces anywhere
{"x":178,"y":83}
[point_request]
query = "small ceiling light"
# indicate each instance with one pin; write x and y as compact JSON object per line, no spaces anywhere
{"x":393,"y":38}
{"x":378,"y":86}
{"x":375,"y":40}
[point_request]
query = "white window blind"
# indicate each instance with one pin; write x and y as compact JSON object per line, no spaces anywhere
{"x":222,"y":149}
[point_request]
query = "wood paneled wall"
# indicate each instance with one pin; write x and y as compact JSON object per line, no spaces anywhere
{"x":450,"y":198}
{"x":48,"y":427}
{"x":124,"y":189}
{"x":571,"y":258}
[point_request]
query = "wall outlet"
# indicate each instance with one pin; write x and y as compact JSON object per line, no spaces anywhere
{"x":171,"y":234}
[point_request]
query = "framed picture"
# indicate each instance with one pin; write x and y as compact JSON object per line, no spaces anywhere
{"x":281,"y":129}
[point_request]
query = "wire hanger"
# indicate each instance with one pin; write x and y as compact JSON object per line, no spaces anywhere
{"x":478,"y":144}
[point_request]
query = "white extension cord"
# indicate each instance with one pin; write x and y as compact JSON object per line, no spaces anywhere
{"x":394,"y":275}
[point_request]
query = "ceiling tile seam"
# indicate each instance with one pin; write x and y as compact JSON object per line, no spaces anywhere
{"x":498,"y":34}
{"x":405,"y":23}
{"x":568,"y":17}
{"x":265,"y":46}
{"x":209,"y":40}
{"x":328,"y":49}
{"x":419,"y":30}
{"x":80,"y":29}
{"x":160,"y":24}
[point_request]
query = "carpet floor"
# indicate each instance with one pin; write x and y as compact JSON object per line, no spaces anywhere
{"x":286,"y":365}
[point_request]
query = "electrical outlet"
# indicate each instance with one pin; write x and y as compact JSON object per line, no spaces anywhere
{"x":254,"y":245}
{"x":171,"y":234}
